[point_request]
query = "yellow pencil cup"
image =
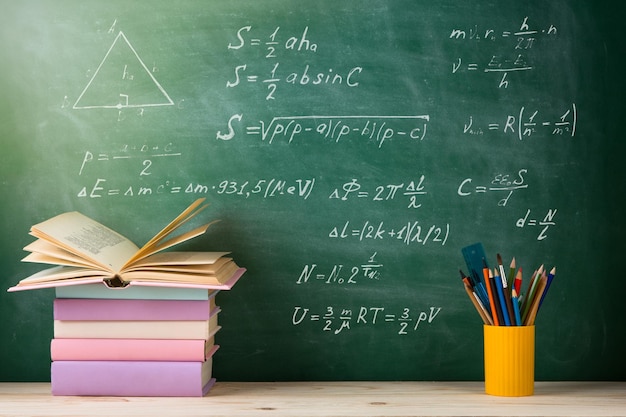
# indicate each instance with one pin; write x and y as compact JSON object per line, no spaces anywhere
{"x":509,"y":360}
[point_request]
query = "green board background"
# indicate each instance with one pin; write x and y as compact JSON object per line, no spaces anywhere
{"x":396,"y":155}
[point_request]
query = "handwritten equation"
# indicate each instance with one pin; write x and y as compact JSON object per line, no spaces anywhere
{"x":500,"y":183}
{"x":273,"y":44}
{"x":342,"y":319}
{"x":266,"y":188}
{"x":102,"y":187}
{"x":528,"y":123}
{"x":413,"y":190}
{"x":520,"y":40}
{"x":544,"y":224}
{"x":411,"y":233}
{"x":376,"y":129}
{"x":145,"y":152}
{"x":369,"y":270}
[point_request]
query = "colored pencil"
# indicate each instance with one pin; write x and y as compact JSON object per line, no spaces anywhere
{"x":491,"y":292}
{"x":532,"y":314}
{"x":511,"y":276}
{"x":478,"y":305}
{"x":502,"y":298}
{"x":528,"y":297}
{"x":532,"y":291}
{"x":506,"y":292}
{"x":550,"y":278}
{"x":466,"y":279}
{"x":476,"y":286}
{"x":515,"y":301}
{"x":497,"y":296}
{"x":518,"y":281}
{"x":479,"y":287}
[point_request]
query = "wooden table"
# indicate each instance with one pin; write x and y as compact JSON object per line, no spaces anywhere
{"x":330,"y":399}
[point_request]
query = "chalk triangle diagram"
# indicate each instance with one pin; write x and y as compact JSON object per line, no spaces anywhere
{"x":122,"y":80}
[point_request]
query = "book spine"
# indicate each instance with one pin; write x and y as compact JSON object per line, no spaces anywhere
{"x":135,"y":292}
{"x":132,"y":350}
{"x":135,"y":378}
{"x":75,"y":329}
{"x":112,"y":309}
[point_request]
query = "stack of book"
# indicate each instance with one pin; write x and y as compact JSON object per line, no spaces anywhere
{"x":129,"y":321}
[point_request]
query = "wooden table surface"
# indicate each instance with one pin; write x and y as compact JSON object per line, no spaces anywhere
{"x":330,"y":399}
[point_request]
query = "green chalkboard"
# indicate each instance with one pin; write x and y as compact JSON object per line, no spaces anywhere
{"x":351,"y":150}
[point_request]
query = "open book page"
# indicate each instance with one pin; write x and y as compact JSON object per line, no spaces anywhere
{"x":169,"y":243}
{"x":47,"y":253}
{"x":179,"y":265}
{"x":179,"y":258}
{"x":85,"y":237}
{"x":225,"y":274}
{"x":59,"y":273}
{"x":152,"y":246}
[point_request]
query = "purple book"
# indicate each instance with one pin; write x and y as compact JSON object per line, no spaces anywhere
{"x":104,"y":309}
{"x":131,"y":379}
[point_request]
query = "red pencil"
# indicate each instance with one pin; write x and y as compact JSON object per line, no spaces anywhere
{"x":518,"y":281}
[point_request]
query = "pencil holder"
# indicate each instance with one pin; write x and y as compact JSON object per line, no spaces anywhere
{"x":509,"y":360}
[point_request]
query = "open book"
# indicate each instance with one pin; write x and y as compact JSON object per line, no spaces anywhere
{"x":85,"y":251}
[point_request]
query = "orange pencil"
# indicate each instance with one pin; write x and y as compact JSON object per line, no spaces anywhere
{"x":490,"y":293}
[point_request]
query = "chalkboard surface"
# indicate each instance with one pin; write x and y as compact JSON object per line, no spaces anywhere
{"x":351,"y":150}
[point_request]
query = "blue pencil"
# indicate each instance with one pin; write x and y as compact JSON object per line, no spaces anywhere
{"x":500,"y":289}
{"x":479,"y":287}
{"x":515,"y":302}
{"x":550,"y":278}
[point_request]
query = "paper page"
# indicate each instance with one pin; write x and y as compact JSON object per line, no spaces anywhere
{"x":61,"y":273}
{"x":87,"y":238}
{"x":180,"y":258}
{"x":157,"y":247}
{"x":47,"y":253}
{"x":181,"y":219}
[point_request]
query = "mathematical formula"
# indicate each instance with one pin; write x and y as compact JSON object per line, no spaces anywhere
{"x":273,"y":44}
{"x":337,"y":320}
{"x":369,"y":270}
{"x":528,"y":123}
{"x":413,"y":190}
{"x":500,"y":183}
{"x":102,"y":187}
{"x":519,"y":40}
{"x":375,"y":129}
{"x":411,"y":233}
{"x":544,"y":225}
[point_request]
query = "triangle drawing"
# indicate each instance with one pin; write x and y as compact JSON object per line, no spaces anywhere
{"x":122,"y":80}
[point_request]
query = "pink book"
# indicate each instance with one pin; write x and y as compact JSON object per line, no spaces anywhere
{"x":131,"y":379}
{"x":112,"y":309}
{"x":132,"y":350}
